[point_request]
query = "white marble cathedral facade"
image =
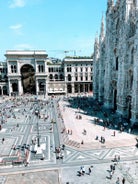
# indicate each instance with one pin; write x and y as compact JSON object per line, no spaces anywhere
{"x":115,"y":65}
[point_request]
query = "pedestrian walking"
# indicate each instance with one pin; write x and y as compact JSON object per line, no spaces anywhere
{"x":96,"y":138}
{"x":111,"y":174}
{"x":114,"y":133}
{"x":80,"y":172}
{"x":123,"y":181}
{"x":129,"y":130}
{"x":83,"y":170}
{"x":118,"y":159}
{"x":89,"y":171}
{"x":3,"y":140}
{"x":111,"y":168}
{"x":101,"y":139}
{"x":118,"y":181}
{"x":115,"y":159}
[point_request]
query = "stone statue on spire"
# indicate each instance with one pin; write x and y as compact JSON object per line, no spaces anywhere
{"x":110,"y":4}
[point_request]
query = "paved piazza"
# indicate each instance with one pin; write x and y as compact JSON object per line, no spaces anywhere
{"x":31,"y":143}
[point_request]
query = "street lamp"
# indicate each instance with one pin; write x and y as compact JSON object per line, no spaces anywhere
{"x":38,"y":135}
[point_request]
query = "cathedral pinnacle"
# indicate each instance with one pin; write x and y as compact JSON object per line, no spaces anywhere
{"x":110,"y":3}
{"x":96,"y":45}
{"x":102,"y":29}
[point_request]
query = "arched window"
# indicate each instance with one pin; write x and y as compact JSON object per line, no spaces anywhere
{"x":14,"y":87}
{"x":116,"y":66}
{"x":130,"y":79}
{"x":4,"y":90}
{"x":68,"y":69}
{"x":13,"y":68}
{"x":41,"y":86}
{"x":117,"y":30}
{"x":132,"y":56}
{"x":51,"y":77}
{"x":56,"y":77}
{"x":61,"y":77}
{"x":40,"y":68}
{"x":69,"y":77}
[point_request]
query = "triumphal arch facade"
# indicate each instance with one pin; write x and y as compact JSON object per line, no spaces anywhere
{"x":26,"y":72}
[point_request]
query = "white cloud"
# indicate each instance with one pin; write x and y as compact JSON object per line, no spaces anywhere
{"x":22,"y":3}
{"x":17,"y":28}
{"x":17,"y":3}
{"x":23,"y":46}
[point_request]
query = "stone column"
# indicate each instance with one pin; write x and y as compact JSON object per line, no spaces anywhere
{"x":1,"y":90}
{"x":107,"y":85}
{"x":18,"y":67}
{"x":122,"y":89}
{"x":65,"y":80}
{"x":20,"y":88}
{"x":72,"y":88}
{"x":134,"y":105}
{"x":9,"y":87}
{"x":46,"y":87}
{"x":37,"y":87}
{"x":45,"y":67}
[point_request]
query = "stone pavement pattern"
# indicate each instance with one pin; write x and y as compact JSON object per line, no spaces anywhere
{"x":100,"y":174}
{"x":92,"y":152}
{"x":87,"y":122}
{"x":45,"y":177}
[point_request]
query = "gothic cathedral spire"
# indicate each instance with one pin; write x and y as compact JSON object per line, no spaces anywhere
{"x":96,"y":47}
{"x":102,"y":29}
{"x":110,"y":3}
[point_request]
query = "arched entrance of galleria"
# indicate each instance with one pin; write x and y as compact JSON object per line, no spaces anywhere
{"x":28,"y":79}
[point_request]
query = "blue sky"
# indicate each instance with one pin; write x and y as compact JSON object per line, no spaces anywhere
{"x":52,"y":25}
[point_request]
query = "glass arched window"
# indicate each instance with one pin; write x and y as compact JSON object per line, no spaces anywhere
{"x":61,"y":77}
{"x":56,"y":77}
{"x":40,"y":68}
{"x":13,"y":69}
{"x":69,"y":77}
{"x":51,"y":77}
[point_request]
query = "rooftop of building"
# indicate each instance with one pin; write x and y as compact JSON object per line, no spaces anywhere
{"x":26,"y":52}
{"x":78,"y":59}
{"x":2,"y":63}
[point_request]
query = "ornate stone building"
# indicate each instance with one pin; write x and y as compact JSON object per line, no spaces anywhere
{"x":27,"y":71}
{"x":33,"y":72}
{"x":3,"y":78}
{"x":78,"y":75}
{"x":115,"y":65}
